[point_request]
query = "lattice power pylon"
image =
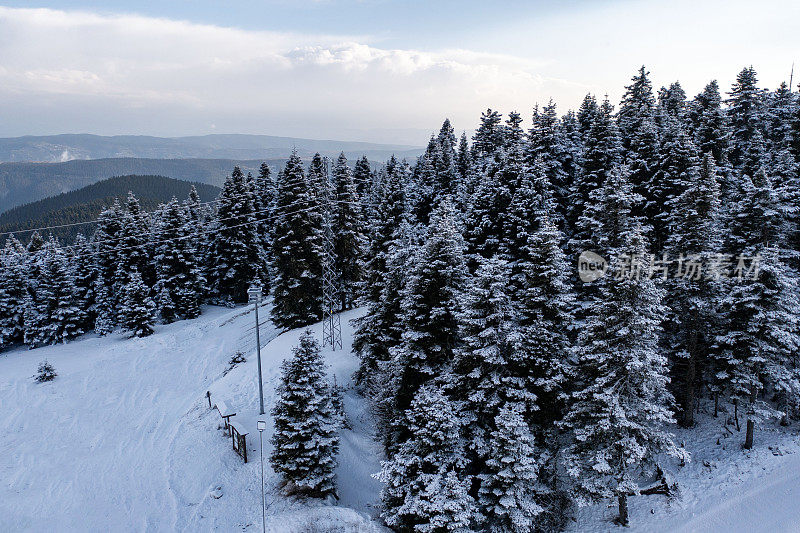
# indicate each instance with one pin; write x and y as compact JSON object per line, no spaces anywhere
{"x":331,"y":322}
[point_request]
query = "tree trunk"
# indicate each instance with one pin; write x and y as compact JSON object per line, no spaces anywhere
{"x":623,"y":509}
{"x":716,"y":403}
{"x":736,"y":413}
{"x":748,"y":439}
{"x":687,"y":417}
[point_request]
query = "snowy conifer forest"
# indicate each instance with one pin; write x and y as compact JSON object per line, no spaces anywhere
{"x":544,"y":305}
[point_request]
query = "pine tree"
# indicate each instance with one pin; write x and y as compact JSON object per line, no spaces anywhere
{"x":297,"y":252}
{"x":86,"y":272}
{"x":510,"y":483}
{"x":431,"y":303}
{"x":619,"y":410}
{"x":489,"y":137}
{"x":672,"y":102}
{"x":544,"y":307}
{"x":137,"y":309}
{"x":548,"y":148}
{"x":106,"y":242}
{"x":13,"y":291}
{"x":709,"y":122}
{"x":637,"y":106}
{"x":424,"y":486}
{"x":348,"y":233}
{"x":362,"y":176}
{"x":694,"y":239}
{"x":135,"y":250}
{"x":264,"y":196}
{"x":306,"y":436}
{"x":761,"y":307}
{"x":235,"y":255}
{"x":106,"y":317}
{"x":603,"y":153}
{"x":389,"y":215}
{"x":180,"y":280}
{"x":53,"y":315}
{"x":745,"y":109}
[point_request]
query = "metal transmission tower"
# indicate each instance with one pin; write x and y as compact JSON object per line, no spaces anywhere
{"x":331,"y":322}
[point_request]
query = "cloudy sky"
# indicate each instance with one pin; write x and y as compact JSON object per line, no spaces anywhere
{"x":380,"y":70}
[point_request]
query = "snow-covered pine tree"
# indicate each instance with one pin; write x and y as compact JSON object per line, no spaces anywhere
{"x":425,"y":486}
{"x":379,"y":331}
{"x":348,"y":233}
{"x":447,"y":175}
{"x":137,"y":309}
{"x":264,"y":195}
{"x":510,"y":487}
{"x":694,"y":237}
{"x":636,"y":107}
{"x":362,"y":176}
{"x":746,"y":114}
{"x":708,"y":122}
{"x":13,"y":292}
{"x":678,"y":167}
{"x":488,"y":138}
{"x":135,"y":245}
{"x":105,"y":308}
{"x":622,"y":404}
{"x":389,"y":214}
{"x":85,"y":270}
{"x":235,"y":257}
{"x":53,"y":315}
{"x":603,"y":153}
{"x":180,"y":280}
{"x":761,"y":306}
{"x":306,"y":437}
{"x":106,"y":243}
{"x":544,"y":309}
{"x":297,"y":249}
{"x":672,"y":102}
{"x":431,"y":303}
{"x":548,"y":148}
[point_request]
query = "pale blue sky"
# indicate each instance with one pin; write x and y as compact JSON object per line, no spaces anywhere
{"x":363,"y":70}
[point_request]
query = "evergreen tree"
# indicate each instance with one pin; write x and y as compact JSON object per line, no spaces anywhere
{"x":348,"y":233}
{"x":362,"y":176}
{"x":180,"y":280}
{"x":106,"y":242}
{"x":306,"y":436}
{"x":694,"y":240}
{"x":761,"y":307}
{"x":137,"y":309}
{"x":134,"y":245}
{"x":424,"y":488}
{"x":637,"y":106}
{"x":709,"y":122}
{"x":431,"y":303}
{"x":53,"y":316}
{"x":489,"y":137}
{"x":745,"y":109}
{"x":264,"y":196}
{"x":603,"y":153}
{"x":549,"y":149}
{"x":297,"y":250}
{"x":13,"y":292}
{"x":619,"y":410}
{"x":86,"y":271}
{"x":235,"y":258}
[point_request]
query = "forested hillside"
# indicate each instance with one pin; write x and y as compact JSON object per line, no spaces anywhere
{"x":86,"y":203}
{"x":22,"y":183}
{"x":544,"y":302}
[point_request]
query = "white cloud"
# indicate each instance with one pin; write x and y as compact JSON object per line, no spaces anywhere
{"x":193,"y":75}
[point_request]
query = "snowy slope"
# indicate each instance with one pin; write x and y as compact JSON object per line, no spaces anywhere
{"x":723,"y":489}
{"x":123,"y":439}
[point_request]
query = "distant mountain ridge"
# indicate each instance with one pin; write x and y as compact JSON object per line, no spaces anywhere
{"x":86,"y":203}
{"x":67,"y":147}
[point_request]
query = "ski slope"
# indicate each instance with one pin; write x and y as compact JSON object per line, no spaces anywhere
{"x":123,"y":439}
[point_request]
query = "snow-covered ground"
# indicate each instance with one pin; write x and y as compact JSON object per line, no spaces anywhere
{"x":123,"y":440}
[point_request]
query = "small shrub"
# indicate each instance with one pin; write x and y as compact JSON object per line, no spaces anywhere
{"x":46,"y":372}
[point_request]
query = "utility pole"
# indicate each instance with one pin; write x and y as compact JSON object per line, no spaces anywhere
{"x":331,"y":321}
{"x":254,"y":295}
{"x":262,"y":425}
